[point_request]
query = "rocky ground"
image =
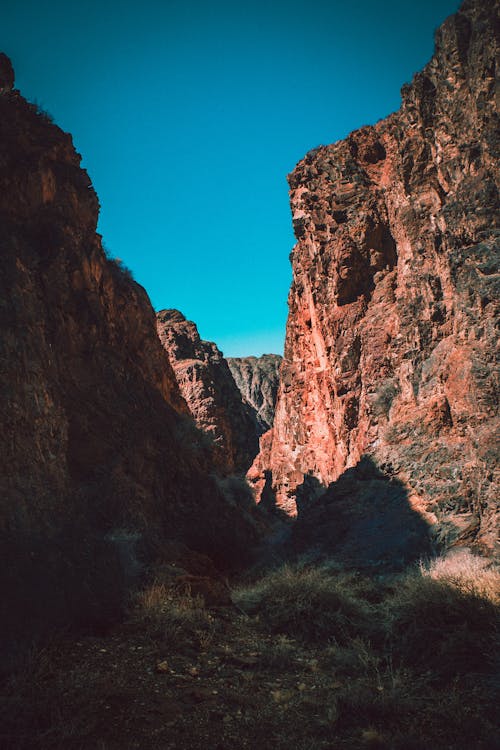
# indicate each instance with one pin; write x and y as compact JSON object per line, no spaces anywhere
{"x":309,"y":657}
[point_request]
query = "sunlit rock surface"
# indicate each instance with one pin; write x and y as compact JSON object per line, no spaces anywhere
{"x":392,"y":330}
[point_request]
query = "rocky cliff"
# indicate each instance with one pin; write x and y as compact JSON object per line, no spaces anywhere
{"x":393,"y":309}
{"x":97,"y":448}
{"x":211,"y":393}
{"x":257,"y":379}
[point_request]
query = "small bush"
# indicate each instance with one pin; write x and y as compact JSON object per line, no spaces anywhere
{"x":280,"y":654}
{"x":119,"y":269}
{"x":384,"y":396}
{"x":237,"y":492}
{"x":41,"y":112}
{"x":440,"y":628}
{"x":357,"y":658}
{"x":177,"y":620}
{"x":71,"y":579}
{"x":466,"y":572}
{"x":307,"y":603}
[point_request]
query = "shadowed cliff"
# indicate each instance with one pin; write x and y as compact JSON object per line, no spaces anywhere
{"x":206,"y":382}
{"x":258,"y":380}
{"x":96,"y":442}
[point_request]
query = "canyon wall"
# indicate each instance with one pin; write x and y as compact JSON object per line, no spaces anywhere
{"x":393,"y":311}
{"x":97,"y":448}
{"x":257,"y":379}
{"x":211,"y":393}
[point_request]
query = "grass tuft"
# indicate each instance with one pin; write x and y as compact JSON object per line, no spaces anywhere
{"x":470,"y":574}
{"x":444,"y":618}
{"x":176,"y":619}
{"x":323,"y":658}
{"x":309,"y":603}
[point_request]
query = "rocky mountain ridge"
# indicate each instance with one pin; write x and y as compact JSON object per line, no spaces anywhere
{"x":393,"y":309}
{"x":100,"y":460}
{"x":207,"y":384}
{"x":257,"y":379}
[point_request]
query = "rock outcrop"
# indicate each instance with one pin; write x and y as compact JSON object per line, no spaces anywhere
{"x":6,"y":74}
{"x":393,"y":309}
{"x":97,"y":448}
{"x":257,"y":379}
{"x":211,"y":393}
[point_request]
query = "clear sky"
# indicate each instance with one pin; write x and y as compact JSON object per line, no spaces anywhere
{"x":190,"y":114}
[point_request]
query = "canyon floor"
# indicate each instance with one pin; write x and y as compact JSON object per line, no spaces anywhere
{"x":309,"y":656}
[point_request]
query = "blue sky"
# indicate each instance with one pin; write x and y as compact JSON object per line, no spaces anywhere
{"x":189,"y":115}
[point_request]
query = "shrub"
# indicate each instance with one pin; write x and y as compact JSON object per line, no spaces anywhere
{"x":119,"y":269}
{"x":279,"y":654}
{"x":384,"y":396}
{"x":307,"y":603}
{"x":442,"y":628}
{"x":358,"y":658}
{"x":73,"y":578}
{"x":237,"y":492}
{"x":177,"y":620}
{"x":466,"y":572}
{"x":41,"y":112}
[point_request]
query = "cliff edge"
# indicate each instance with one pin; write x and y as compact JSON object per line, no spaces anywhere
{"x":100,"y":461}
{"x":393,"y":311}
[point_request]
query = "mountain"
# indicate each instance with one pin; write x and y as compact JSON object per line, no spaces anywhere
{"x":100,"y":460}
{"x":206,"y":383}
{"x":390,"y":354}
{"x":257,"y":379}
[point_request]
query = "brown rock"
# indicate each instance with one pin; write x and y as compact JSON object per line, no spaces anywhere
{"x":390,"y":344}
{"x":162,"y":667}
{"x":6,"y":74}
{"x":99,"y":456}
{"x":211,"y":393}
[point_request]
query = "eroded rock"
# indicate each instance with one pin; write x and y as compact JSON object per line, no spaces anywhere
{"x":211,"y":393}
{"x":258,"y":379}
{"x":392,"y":328}
{"x":6,"y":74}
{"x":97,"y":445}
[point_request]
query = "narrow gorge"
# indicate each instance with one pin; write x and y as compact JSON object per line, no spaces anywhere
{"x":200,"y":551}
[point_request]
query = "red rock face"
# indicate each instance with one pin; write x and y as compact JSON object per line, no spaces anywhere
{"x":96,"y":440}
{"x":211,"y":393}
{"x":390,"y":344}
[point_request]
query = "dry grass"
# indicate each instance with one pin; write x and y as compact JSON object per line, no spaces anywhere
{"x":174,"y":618}
{"x":470,"y":574}
{"x":437,"y":629}
{"x":279,"y":654}
{"x":308,"y":603}
{"x":323,"y":659}
{"x":441,"y":619}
